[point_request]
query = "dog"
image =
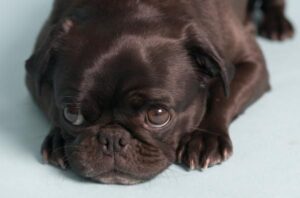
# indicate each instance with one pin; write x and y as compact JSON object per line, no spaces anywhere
{"x":133,"y":86}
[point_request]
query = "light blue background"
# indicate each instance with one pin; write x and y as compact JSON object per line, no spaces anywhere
{"x":266,"y":139}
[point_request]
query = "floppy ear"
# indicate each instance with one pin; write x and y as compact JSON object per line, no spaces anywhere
{"x":207,"y":59}
{"x":43,"y":58}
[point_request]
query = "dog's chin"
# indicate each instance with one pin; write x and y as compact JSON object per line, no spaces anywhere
{"x":114,"y":177}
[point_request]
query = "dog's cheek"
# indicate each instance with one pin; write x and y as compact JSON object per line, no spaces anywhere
{"x":144,"y":160}
{"x":85,"y":157}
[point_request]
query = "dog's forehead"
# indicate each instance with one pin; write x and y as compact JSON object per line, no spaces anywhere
{"x":132,"y":62}
{"x":129,"y":59}
{"x":137,"y":63}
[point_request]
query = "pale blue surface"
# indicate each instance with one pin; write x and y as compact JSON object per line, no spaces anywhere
{"x":266,"y":139}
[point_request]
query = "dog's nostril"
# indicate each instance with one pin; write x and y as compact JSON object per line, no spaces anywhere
{"x":104,"y":140}
{"x":122,"y":142}
{"x":119,"y":144}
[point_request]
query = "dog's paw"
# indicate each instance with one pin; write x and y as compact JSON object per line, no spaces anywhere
{"x":203,"y":149}
{"x":53,"y":151}
{"x":276,"y":27}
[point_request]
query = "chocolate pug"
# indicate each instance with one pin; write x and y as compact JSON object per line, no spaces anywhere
{"x":133,"y":86}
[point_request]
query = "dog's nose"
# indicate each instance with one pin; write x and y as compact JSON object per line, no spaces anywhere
{"x":112,"y":142}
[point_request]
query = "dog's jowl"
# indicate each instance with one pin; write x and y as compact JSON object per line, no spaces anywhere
{"x":131,"y":87}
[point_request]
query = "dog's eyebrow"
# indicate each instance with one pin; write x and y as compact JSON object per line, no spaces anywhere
{"x":153,"y":95}
{"x":67,"y":99}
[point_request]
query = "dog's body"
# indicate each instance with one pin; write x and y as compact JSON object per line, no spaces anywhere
{"x":132,"y":86}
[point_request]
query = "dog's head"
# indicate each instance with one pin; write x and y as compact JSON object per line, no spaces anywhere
{"x":126,"y":88}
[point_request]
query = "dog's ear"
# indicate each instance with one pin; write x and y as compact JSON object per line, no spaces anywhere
{"x":206,"y":58}
{"x":43,"y":59}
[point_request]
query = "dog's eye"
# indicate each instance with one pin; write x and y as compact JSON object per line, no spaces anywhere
{"x":158,"y":117}
{"x":73,"y":115}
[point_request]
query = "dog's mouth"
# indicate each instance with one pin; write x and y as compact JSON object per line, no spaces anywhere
{"x":117,"y":177}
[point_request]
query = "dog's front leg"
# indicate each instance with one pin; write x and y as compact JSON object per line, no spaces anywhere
{"x":210,"y":144}
{"x":53,"y":149}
